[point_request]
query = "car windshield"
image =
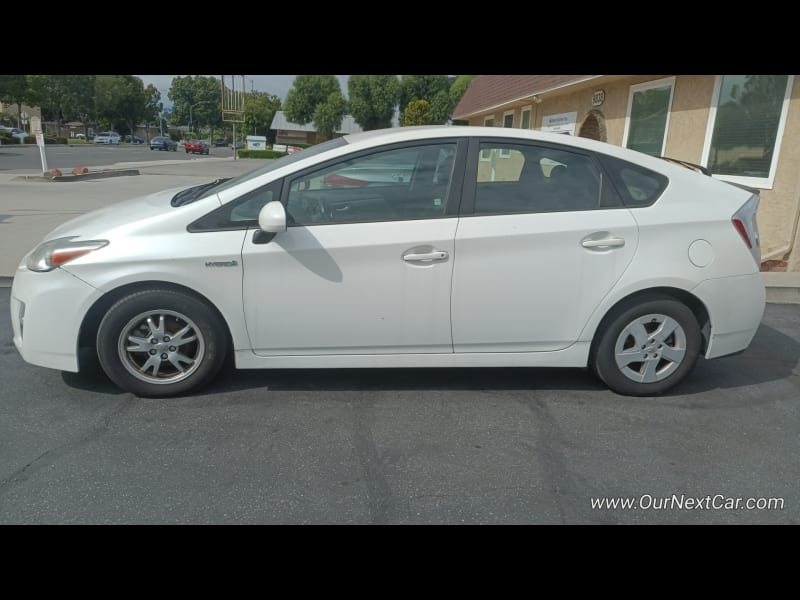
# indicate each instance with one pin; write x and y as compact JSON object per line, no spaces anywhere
{"x":280,"y":162}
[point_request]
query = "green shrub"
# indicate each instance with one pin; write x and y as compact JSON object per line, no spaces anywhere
{"x":244,"y":153}
{"x":29,"y":139}
{"x":8,"y":139}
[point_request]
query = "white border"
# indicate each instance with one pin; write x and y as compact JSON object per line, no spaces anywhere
{"x":641,"y":87}
{"x":764,"y":183}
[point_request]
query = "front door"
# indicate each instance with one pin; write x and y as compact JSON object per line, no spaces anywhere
{"x":366,"y":262}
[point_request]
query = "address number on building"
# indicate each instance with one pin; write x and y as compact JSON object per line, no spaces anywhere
{"x":598,"y":97}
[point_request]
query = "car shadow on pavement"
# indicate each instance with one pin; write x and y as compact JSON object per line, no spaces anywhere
{"x":772,"y":356}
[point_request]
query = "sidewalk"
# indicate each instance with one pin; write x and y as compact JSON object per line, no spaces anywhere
{"x":31,"y":209}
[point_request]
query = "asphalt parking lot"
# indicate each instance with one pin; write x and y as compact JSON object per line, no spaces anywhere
{"x":439,"y":446}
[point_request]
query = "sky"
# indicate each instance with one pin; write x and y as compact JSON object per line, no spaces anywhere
{"x":272,"y":84}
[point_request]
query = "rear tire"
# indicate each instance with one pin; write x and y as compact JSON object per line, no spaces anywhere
{"x":158,"y":343}
{"x":647,"y":346}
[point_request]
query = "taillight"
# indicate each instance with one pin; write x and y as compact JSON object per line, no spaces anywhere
{"x":745,"y":224}
{"x":737,"y":223}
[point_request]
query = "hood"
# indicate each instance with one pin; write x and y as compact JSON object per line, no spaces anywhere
{"x":97,"y":223}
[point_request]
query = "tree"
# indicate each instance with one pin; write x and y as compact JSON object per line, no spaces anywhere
{"x":15,"y":89}
{"x":196,"y":101}
{"x":459,"y":87}
{"x":317,"y":99}
{"x":417,"y":112}
{"x":372,"y":99}
{"x":259,"y":110}
{"x":328,"y":115}
{"x":78,"y":102}
{"x":435,"y":89}
{"x":120,"y":99}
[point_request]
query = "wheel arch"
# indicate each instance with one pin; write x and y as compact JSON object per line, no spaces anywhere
{"x":693,"y":302}
{"x":91,"y":320}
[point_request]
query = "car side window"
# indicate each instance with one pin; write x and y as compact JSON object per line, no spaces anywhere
{"x":519,"y":178}
{"x":390,"y":185}
{"x":638,"y":185}
{"x":241,"y":213}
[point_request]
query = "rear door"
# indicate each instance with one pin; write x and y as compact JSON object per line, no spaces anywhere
{"x":542,"y":240}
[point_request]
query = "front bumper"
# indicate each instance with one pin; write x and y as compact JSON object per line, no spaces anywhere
{"x":735,"y":307}
{"x":46,"y":314}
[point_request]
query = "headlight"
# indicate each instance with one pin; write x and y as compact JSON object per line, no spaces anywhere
{"x":55,"y":253}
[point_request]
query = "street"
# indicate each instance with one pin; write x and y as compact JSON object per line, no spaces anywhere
{"x":26,"y":158}
{"x":431,"y":446}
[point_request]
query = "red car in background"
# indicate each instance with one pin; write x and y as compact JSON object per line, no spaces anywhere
{"x":196,"y":147}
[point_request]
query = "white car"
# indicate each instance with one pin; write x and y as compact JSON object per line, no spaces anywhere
{"x":503,"y":247}
{"x":107,"y":137}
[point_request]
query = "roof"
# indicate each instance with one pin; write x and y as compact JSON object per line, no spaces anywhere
{"x":279,"y":121}
{"x":489,"y":91}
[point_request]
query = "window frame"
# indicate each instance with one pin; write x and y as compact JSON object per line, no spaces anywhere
{"x":764,"y":183}
{"x":643,"y":87}
{"x":452,"y":204}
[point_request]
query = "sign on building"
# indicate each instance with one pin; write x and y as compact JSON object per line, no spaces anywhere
{"x":560,"y":123}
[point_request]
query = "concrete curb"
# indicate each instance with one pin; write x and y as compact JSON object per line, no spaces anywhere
{"x":95,"y":175}
{"x":782,"y":287}
{"x":5,"y":282}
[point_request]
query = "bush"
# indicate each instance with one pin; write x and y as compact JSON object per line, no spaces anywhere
{"x":6,"y":138}
{"x":244,"y":153}
{"x":29,"y":139}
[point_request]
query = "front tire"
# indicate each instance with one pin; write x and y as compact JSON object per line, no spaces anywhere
{"x":647,"y":346}
{"x":158,"y":343}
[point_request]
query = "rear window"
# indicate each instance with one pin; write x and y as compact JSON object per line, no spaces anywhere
{"x":637,"y":185}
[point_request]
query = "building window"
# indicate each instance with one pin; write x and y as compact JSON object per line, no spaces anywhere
{"x":525,"y":121}
{"x":487,"y":154}
{"x":508,"y":121}
{"x":648,"y":116}
{"x":745,"y":127}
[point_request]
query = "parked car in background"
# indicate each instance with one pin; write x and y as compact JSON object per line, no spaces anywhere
{"x":107,"y":137}
{"x":221,"y":143}
{"x":162,"y":142}
{"x":21,"y":134}
{"x":135,"y":139}
{"x":196,"y":147}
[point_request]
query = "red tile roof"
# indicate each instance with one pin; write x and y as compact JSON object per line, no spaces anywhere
{"x":487,"y":91}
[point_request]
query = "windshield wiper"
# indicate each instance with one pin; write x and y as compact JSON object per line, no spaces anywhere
{"x":193,"y":193}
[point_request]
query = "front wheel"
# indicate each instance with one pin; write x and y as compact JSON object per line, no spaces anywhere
{"x":647,"y":346}
{"x":159,"y":343}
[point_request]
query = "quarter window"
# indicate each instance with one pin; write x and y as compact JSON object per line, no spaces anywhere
{"x":535,"y":179}
{"x":746,"y":127}
{"x":393,"y":185}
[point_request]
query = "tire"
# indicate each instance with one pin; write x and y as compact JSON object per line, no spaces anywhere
{"x":634,"y":331}
{"x":164,"y":368}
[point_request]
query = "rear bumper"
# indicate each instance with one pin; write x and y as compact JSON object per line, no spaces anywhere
{"x":46,"y":314}
{"x":735,"y":307}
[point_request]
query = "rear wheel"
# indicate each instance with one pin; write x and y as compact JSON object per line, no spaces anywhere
{"x":647,"y":346}
{"x":159,"y":343}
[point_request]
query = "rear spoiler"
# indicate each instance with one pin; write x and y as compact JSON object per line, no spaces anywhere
{"x":704,"y":171}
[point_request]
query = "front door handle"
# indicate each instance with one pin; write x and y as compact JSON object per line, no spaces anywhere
{"x":609,"y":242}
{"x":426,"y":256}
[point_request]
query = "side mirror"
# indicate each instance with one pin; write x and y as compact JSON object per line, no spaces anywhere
{"x":272,"y":218}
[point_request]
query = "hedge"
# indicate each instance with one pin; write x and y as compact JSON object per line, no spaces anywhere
{"x":244,"y":153}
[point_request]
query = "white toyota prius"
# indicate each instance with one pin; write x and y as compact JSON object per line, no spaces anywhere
{"x":410,"y":247}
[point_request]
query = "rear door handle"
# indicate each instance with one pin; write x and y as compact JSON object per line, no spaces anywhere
{"x":609,"y":242}
{"x":426,"y":256}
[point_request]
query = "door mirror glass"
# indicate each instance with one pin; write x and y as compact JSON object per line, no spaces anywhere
{"x":272,"y":218}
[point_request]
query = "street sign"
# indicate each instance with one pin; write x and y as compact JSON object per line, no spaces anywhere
{"x":40,"y":139}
